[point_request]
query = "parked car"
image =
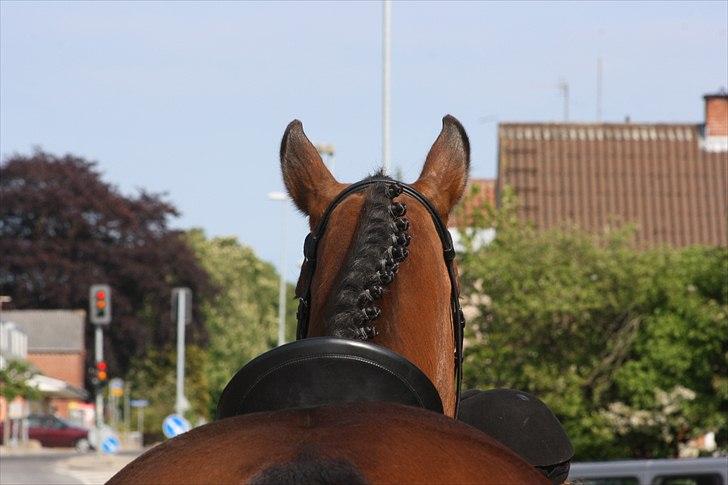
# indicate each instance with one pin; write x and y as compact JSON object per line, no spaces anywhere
{"x":54,"y":432}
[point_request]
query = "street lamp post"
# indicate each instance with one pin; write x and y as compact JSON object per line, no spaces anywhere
{"x":281,"y":197}
{"x":386,"y":61}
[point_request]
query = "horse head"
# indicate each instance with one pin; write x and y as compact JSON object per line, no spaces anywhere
{"x":381,"y":274}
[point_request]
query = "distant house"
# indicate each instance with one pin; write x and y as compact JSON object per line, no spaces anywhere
{"x":670,"y":179}
{"x":478,"y":193}
{"x":55,"y":347}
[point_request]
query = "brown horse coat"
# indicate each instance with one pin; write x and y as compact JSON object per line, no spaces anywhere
{"x":370,"y":442}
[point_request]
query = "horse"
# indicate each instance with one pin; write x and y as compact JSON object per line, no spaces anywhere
{"x":379,"y":269}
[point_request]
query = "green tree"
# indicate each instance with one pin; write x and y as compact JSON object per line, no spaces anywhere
{"x":600,"y":330}
{"x":242,"y":316}
{"x":14,"y":377}
{"x":153,"y":377}
{"x":63,"y":228}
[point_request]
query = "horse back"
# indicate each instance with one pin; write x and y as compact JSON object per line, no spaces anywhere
{"x":352,"y":443}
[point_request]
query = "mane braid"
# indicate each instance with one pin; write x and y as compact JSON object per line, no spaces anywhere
{"x":379,"y":246}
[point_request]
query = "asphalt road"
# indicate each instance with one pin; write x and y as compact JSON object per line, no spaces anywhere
{"x":35,"y":469}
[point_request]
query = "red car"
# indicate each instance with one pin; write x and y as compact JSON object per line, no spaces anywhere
{"x":53,"y":432}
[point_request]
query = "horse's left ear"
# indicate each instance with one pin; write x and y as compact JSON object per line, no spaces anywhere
{"x":309,"y":183}
{"x":445,"y":173}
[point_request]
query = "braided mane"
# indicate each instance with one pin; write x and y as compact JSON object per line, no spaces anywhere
{"x":379,"y":246}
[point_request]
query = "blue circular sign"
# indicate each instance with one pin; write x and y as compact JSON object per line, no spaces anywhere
{"x":111,"y":444}
{"x":175,"y":425}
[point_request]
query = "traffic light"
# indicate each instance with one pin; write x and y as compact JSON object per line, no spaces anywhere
{"x":101,"y":372}
{"x":100,"y":304}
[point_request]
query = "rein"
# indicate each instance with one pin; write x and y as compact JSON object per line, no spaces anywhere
{"x":310,"y":246}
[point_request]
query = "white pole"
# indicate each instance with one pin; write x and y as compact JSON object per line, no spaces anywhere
{"x":386,"y":60}
{"x":140,"y":425}
{"x":181,"y":312}
{"x":282,"y":282}
{"x":99,"y":351}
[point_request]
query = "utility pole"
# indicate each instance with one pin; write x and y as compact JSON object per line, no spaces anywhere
{"x":599,"y":89}
{"x":283,"y":198}
{"x":182,"y":306}
{"x":564,"y":89}
{"x":386,"y":61}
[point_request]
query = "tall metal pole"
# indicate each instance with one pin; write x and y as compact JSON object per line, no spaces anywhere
{"x":599,"y":89}
{"x":99,"y":355}
{"x":386,"y":60}
{"x":179,"y":405}
{"x":127,"y":408}
{"x":282,"y":198}
{"x":282,"y":282}
{"x":564,"y":88}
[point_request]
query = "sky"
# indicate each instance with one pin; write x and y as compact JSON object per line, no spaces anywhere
{"x":191,"y":99}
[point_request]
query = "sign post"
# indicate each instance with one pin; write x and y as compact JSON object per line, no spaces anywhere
{"x":182,"y":309}
{"x":139,"y":404}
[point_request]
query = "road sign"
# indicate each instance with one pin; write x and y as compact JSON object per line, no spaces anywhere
{"x":110,"y":444}
{"x":138,"y":403}
{"x":116,"y":387}
{"x":175,"y":425}
{"x":186,"y":294}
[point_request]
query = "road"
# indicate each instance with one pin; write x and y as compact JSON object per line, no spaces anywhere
{"x":39,"y":468}
{"x":61,"y":468}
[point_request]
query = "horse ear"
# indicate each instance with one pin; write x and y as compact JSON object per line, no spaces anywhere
{"x":445,"y":173}
{"x":308,"y":181}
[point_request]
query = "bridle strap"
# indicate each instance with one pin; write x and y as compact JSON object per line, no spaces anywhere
{"x":310,"y":246}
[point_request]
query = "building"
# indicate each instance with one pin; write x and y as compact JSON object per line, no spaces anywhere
{"x":669,"y":179}
{"x":478,"y":194}
{"x":55,"y":347}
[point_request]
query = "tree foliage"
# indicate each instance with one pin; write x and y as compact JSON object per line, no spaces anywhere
{"x":242,"y":315}
{"x":154,"y":377}
{"x":62,"y":228}
{"x":629,"y":347}
{"x":14,"y":377}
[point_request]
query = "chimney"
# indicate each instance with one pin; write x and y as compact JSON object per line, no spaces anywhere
{"x":716,"y":114}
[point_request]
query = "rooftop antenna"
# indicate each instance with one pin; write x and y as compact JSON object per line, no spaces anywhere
{"x":599,"y":89}
{"x":599,"y":76}
{"x":386,"y":59}
{"x":564,"y":89}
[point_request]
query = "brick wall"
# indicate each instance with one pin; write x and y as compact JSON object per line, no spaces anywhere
{"x":68,"y":367}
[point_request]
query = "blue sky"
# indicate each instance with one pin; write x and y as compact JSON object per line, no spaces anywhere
{"x":191,"y":99}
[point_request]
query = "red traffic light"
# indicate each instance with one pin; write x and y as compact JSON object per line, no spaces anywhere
{"x":101,"y":365}
{"x":99,"y":304}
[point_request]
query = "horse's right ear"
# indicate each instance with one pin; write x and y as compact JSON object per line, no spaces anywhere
{"x":308,"y":181}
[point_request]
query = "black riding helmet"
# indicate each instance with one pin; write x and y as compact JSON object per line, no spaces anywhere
{"x":523,"y":423}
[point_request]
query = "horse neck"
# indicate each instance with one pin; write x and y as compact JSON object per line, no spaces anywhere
{"x":416,"y":316}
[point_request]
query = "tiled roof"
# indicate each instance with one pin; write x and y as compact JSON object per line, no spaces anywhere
{"x":665,"y":178}
{"x":50,"y":330}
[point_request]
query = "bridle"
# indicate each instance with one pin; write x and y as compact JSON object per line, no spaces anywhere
{"x":303,"y":290}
